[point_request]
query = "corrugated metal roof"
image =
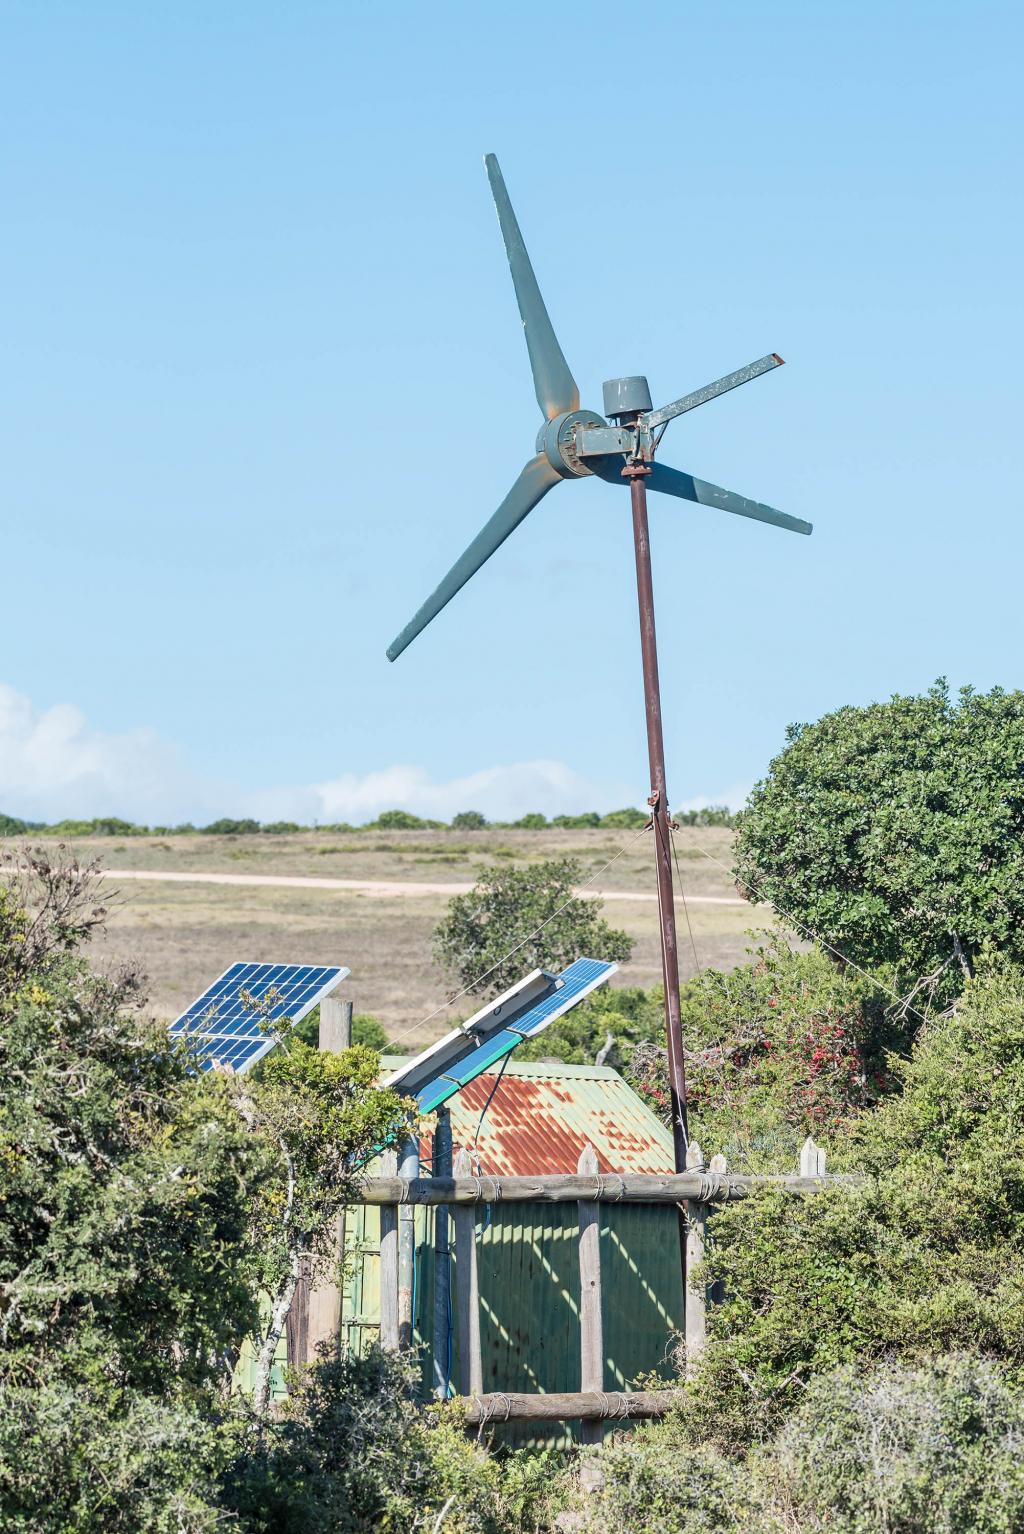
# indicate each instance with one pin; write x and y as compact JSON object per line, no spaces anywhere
{"x":543,"y":1114}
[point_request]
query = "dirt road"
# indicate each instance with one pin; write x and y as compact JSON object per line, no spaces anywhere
{"x":381,"y":888}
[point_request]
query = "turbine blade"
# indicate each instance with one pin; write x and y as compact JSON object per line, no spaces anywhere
{"x":555,"y":385}
{"x":656,"y":418}
{"x":675,"y":482}
{"x":533,"y":484}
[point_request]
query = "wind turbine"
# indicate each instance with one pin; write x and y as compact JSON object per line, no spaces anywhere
{"x":576,"y":444}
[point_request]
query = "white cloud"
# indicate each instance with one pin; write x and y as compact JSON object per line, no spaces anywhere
{"x":55,"y":765}
{"x":500,"y":793}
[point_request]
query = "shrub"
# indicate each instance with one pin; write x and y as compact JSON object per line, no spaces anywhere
{"x":656,"y":1479}
{"x":231,"y":828}
{"x":934,"y":1449}
{"x":587,"y":821}
{"x":280,"y":828}
{"x":927,"y":1254}
{"x":609,"y":1024}
{"x":531,"y":822}
{"x":785,"y":1046}
{"x":351,"y":1451}
{"x":468,"y":820}
{"x":896,"y":833}
{"x":400,"y":820}
{"x":10,"y":825}
{"x":624,"y":820}
{"x":476,"y":939}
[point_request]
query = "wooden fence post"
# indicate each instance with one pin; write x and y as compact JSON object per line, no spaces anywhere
{"x":335,"y":1024}
{"x":591,"y":1329}
{"x":409,"y":1169}
{"x":442,"y":1340}
{"x":812,"y":1159}
{"x":695,"y":1301}
{"x":467,"y":1296}
{"x":389,"y":1261}
{"x":319,"y":1316}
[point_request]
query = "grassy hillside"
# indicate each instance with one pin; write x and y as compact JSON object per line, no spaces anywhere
{"x":184,"y":934}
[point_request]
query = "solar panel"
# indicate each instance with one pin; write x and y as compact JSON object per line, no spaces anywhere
{"x":228,"y":1021}
{"x":521,"y":1013}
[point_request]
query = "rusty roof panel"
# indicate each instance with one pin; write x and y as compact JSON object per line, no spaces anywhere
{"x":543,"y":1114}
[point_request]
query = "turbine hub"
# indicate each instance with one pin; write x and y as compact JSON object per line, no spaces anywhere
{"x":557,"y":441}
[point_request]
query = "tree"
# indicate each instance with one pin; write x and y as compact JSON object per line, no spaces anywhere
{"x":127,"y":1282}
{"x":146,"y":1207}
{"x":490,"y":938}
{"x":323,"y":1115}
{"x":469,"y":820}
{"x":624,"y":820}
{"x":785,"y":1046}
{"x":924,"y":1255}
{"x":895,"y":833}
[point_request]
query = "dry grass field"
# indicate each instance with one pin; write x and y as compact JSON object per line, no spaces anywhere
{"x":183,"y":934}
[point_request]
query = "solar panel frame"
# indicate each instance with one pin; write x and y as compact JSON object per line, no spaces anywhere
{"x":301,"y":988}
{"x":568,"y":989}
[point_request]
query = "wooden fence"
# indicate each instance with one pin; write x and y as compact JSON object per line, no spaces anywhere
{"x":697,"y":1190}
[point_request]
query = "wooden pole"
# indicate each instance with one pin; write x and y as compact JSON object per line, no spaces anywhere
{"x":317,"y":1305}
{"x":409,"y":1171}
{"x":389,"y":1261}
{"x":812,"y":1159}
{"x":442,"y":1339}
{"x":607,"y":1188}
{"x":335,"y":1024}
{"x":471,"y":1381}
{"x":570,"y":1406}
{"x":591,"y":1331}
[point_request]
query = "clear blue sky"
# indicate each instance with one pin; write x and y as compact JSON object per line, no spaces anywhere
{"x":264,"y":378}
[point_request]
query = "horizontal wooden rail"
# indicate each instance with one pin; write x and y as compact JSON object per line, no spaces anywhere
{"x":606,"y":1188}
{"x":582,"y":1405}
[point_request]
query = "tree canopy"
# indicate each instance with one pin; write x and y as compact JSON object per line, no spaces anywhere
{"x":895,"y":833}
{"x":490,"y":937}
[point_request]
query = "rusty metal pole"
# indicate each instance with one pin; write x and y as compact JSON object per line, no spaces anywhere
{"x":637,"y":475}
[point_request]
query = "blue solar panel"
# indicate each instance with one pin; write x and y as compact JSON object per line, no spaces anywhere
{"x":228,"y":1022}
{"x":560,"y":994}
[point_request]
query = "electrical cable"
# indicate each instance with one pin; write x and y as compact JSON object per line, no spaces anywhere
{"x":490,"y":1096}
{"x":803,"y":928}
{"x":528,"y":939}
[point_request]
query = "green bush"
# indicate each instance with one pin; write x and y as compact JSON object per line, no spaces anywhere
{"x":658,"y":1481}
{"x":490,"y":938}
{"x":10,"y":825}
{"x":401,"y":820}
{"x":624,"y":820}
{"x":231,"y":828}
{"x":531,"y":822}
{"x":351,"y":1451}
{"x":710,"y":815}
{"x":896,"y":833}
{"x":468,"y":820}
{"x":926,"y":1255}
{"x":586,"y":821}
{"x":934,"y":1449}
{"x":776,"y":1049}
{"x":610,"y":1023}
